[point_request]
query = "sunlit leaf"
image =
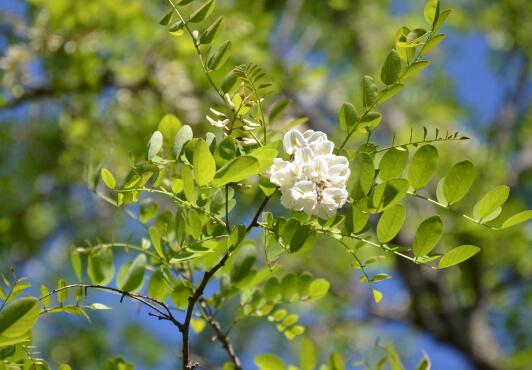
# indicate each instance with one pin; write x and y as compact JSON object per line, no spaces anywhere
{"x":458,"y":255}
{"x":390,"y":223}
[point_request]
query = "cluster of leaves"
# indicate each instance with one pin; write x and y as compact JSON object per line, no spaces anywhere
{"x":203,"y":177}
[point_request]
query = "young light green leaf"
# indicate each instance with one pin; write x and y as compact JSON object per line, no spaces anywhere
{"x":423,"y":166}
{"x":218,"y":58}
{"x":390,"y":223}
{"x":18,"y":317}
{"x":181,"y":138}
{"x":415,"y":68}
{"x":75,"y":260}
{"x":433,"y":42}
{"x":169,"y":126}
{"x":391,"y":68}
{"x":458,"y":181}
{"x":393,"y":163}
{"x":188,"y":184}
{"x":336,"y":361}
{"x":458,"y":255}
{"x":377,"y":295}
{"x":108,"y":178}
{"x":432,"y":11}
{"x":62,"y":293}
{"x":318,"y":288}
{"x":203,"y":12}
{"x":428,"y":234}
{"x":390,"y":91}
{"x":158,"y":288}
{"x":267,"y":361}
{"x":207,"y":35}
{"x":45,"y":293}
{"x":131,"y":274}
{"x":370,"y":91}
{"x":100,"y":266}
{"x":99,"y":306}
{"x":154,"y":145}
{"x":368,"y":122}
{"x":492,"y":200}
{"x":441,"y":18}
{"x":517,"y":219}
{"x":308,"y":357}
{"x":348,"y":116}
{"x":425,"y":364}
{"x":204,"y":165}
{"x":237,"y":170}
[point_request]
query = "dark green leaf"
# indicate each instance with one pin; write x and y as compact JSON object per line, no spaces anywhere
{"x":348,"y":117}
{"x":100,"y":267}
{"x":203,"y":12}
{"x":388,"y":193}
{"x":370,"y":91}
{"x":393,"y":163}
{"x":207,"y":35}
{"x":218,"y":58}
{"x":362,"y":175}
{"x":458,"y":181}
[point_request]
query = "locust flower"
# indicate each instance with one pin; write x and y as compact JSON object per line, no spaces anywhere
{"x":314,"y":179}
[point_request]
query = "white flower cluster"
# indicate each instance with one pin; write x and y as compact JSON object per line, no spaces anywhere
{"x":314,"y":180}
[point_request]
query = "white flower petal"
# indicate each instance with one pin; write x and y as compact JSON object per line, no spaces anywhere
{"x":292,"y":141}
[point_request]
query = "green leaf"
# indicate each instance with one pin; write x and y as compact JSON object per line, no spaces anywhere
{"x":357,"y":217}
{"x":267,"y":361}
{"x":308,"y":357}
{"x":377,"y":295}
{"x":158,"y":288}
{"x":370,"y":91}
{"x":362,"y":175}
{"x":99,"y":306}
{"x":188,"y":183}
{"x":390,"y":91}
{"x":425,"y":364}
{"x":207,"y":35}
{"x":517,"y":219}
{"x":393,"y":163}
{"x":272,"y":290}
{"x":390,"y":223}
{"x":388,"y":193}
{"x":229,"y":81}
{"x":423,"y":166}
{"x":348,"y":116}
{"x":63,"y":293}
{"x":218,"y":58}
{"x":277,"y":109}
{"x":458,"y":255}
{"x":431,"y":11}
{"x":204,"y":164}
{"x":131,"y":275}
{"x":265,"y":155}
{"x":433,"y":42}
{"x":108,"y":178}
{"x":225,"y":151}
{"x":64,"y":367}
{"x":177,"y":26}
{"x":155,"y":238}
{"x":184,"y":2}
{"x":336,"y":361}
{"x":393,"y":358}
{"x":391,"y":68}
{"x":428,"y":234}
{"x":203,"y":12}
{"x":237,"y":170}
{"x":441,"y":18}
{"x":492,"y":200}
{"x":304,"y":237}
{"x":166,"y":19}
{"x":458,"y":181}
{"x":45,"y":293}
{"x":182,"y":137}
{"x":369,"y":122}
{"x":100,"y":266}
{"x":318,"y":288}
{"x":169,"y":126}
{"x":415,"y":68}
{"x":75,"y":260}
{"x":17,"y":318}
{"x":154,"y":145}
{"x":244,"y":263}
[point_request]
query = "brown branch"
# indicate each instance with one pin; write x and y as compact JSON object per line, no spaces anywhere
{"x":220,"y":335}
{"x":192,"y":300}
{"x":146,"y":300}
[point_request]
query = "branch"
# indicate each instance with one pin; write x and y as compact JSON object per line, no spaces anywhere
{"x":148,"y":301}
{"x":185,"y":330}
{"x":220,"y":335}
